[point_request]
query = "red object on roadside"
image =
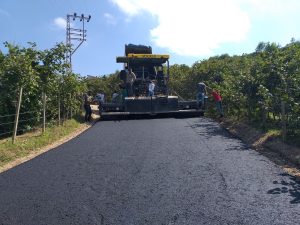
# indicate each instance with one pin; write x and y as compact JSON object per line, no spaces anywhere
{"x":216,"y":96}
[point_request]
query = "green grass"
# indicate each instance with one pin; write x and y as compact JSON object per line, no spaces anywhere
{"x":33,"y":141}
{"x":274,"y":132}
{"x":272,"y":128}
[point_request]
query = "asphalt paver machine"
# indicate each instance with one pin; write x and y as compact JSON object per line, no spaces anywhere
{"x":148,"y":68}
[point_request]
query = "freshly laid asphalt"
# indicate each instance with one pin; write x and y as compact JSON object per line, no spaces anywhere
{"x":162,"y":171}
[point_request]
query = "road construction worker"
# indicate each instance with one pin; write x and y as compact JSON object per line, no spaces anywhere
{"x":201,"y":93}
{"x":114,"y":96}
{"x":218,"y":101}
{"x":87,"y":106}
{"x":130,"y":78}
{"x":151,"y":88}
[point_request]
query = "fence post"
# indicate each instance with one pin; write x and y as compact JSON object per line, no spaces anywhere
{"x":44,"y":112}
{"x":71,"y":103}
{"x":17,"y":115}
{"x":58,"y":110}
{"x":283,"y":119}
{"x":263,"y":111}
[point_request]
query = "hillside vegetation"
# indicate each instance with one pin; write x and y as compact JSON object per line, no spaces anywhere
{"x":262,"y":88}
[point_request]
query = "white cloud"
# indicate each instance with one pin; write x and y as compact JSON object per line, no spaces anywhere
{"x":199,"y":27}
{"x":191,"y":27}
{"x":60,"y":22}
{"x":110,"y":19}
{"x":130,"y":7}
{"x":274,"y":7}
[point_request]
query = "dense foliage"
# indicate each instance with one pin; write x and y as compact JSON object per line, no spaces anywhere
{"x":254,"y":86}
{"x":105,"y":84}
{"x":36,"y":72}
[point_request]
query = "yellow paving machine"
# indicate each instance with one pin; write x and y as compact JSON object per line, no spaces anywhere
{"x":148,"y":69}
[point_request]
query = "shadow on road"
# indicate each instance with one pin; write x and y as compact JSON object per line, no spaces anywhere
{"x":144,"y":117}
{"x":291,"y":187}
{"x":210,"y":129}
{"x":288,"y":185}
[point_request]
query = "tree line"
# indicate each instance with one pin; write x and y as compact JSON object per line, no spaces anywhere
{"x":37,"y":72}
{"x":254,"y":86}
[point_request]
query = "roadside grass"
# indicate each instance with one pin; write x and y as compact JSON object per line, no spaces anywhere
{"x":272,"y":128}
{"x":274,"y":132}
{"x":33,"y":141}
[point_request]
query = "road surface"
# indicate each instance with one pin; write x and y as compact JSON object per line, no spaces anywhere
{"x":161,"y":171}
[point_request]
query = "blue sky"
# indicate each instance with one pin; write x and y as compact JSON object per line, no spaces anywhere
{"x":188,"y":30}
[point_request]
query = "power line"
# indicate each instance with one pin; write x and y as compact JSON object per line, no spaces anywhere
{"x":75,"y":34}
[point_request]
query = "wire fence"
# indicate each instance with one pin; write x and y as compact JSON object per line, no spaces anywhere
{"x":15,"y":124}
{"x":277,"y":114}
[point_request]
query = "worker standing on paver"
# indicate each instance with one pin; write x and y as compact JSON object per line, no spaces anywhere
{"x":201,"y":93}
{"x":151,"y":88}
{"x":130,"y":78}
{"x":114,"y":97}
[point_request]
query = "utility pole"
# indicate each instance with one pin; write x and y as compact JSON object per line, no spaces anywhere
{"x":74,"y":34}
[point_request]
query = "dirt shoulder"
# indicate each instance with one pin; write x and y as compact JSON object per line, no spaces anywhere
{"x":284,"y":155}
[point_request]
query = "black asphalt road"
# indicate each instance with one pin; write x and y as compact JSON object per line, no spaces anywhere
{"x":150,"y":171}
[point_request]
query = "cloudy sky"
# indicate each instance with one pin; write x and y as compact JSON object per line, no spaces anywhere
{"x":188,"y":30}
